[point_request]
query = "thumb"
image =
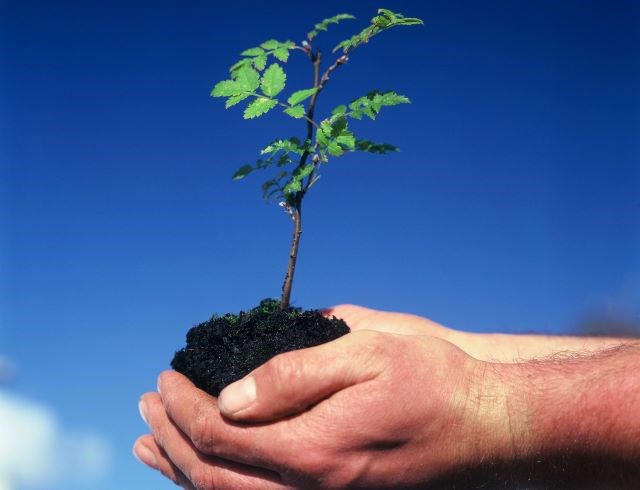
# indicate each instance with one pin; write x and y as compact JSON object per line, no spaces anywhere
{"x":291,"y":382}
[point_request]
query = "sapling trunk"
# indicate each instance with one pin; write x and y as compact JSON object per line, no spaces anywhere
{"x":296,"y":211}
{"x":293,"y":257}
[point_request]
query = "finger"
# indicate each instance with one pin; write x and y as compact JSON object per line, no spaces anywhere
{"x":197,"y":416}
{"x":204,"y":472}
{"x":291,"y":382}
{"x":357,"y":317}
{"x":147,"y":451}
{"x":361,"y":318}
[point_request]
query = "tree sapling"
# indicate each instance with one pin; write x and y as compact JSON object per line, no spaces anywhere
{"x":226,"y":348}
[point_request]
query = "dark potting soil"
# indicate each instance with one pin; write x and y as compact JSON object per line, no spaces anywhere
{"x":226,"y":348}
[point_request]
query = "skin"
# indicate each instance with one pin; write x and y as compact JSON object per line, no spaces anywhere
{"x":317,"y":419}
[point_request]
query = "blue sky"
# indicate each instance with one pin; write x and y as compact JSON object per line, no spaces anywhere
{"x":513,"y":206}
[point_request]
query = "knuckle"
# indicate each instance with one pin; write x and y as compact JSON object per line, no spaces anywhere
{"x":314,"y":466}
{"x":286,"y":370}
{"x":202,"y":477}
{"x":201,"y":430}
{"x":374,"y":344}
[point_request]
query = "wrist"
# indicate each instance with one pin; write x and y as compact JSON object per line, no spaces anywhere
{"x":562,"y":423}
{"x":580,"y":405}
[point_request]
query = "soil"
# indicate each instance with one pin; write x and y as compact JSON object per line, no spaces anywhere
{"x":226,"y":348}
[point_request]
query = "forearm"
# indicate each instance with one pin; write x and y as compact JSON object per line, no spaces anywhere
{"x":497,"y":347}
{"x":575,"y":419}
{"x":585,"y":403}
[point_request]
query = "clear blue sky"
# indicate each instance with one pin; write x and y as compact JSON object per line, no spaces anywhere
{"x":514,"y":204}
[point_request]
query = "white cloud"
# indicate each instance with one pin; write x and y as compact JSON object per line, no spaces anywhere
{"x":35,"y":452}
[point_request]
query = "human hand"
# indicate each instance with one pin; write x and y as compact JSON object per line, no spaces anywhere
{"x":370,"y":409}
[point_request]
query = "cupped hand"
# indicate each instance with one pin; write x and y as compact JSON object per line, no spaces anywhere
{"x":369,"y":410}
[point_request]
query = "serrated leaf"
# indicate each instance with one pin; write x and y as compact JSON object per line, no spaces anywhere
{"x":231,"y":101}
{"x":370,"y":112}
{"x":347,"y":141}
{"x":252,"y":52}
{"x":371,"y":147}
{"x":248,"y":79}
{"x":226,"y":88}
{"x":338,"y":111}
{"x":242,"y":172}
{"x":270,"y":44}
{"x":300,"y":95}
{"x":290,"y":145}
{"x":292,"y":187}
{"x":335,"y":149}
{"x":234,"y":68}
{"x":282,"y":54}
{"x":391,"y":98}
{"x":259,"y":62}
{"x":295,"y":182}
{"x":273,"y":80}
{"x":324,"y":24}
{"x":258,"y":107}
{"x":297,"y":111}
{"x":383,"y":21}
{"x":338,"y":126}
{"x":283,"y":160}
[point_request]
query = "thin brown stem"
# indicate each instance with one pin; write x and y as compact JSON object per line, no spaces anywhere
{"x":319,"y":83}
{"x":296,"y":215}
{"x":296,"y":206}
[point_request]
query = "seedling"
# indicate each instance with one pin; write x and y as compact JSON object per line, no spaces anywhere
{"x":259,"y":80}
{"x":226,"y":348}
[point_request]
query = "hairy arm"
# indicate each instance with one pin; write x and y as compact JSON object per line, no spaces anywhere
{"x":495,"y":347}
{"x":572,"y":421}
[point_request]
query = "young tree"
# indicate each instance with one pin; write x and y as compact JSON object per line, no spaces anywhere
{"x":260,"y":79}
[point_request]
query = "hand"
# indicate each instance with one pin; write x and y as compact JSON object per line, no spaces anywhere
{"x":370,"y":409}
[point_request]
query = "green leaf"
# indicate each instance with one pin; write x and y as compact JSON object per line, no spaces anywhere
{"x":283,"y":159}
{"x":322,"y":26}
{"x":297,"y":111}
{"x":290,"y":145}
{"x":270,"y":44}
{"x":242,"y":172}
{"x":338,"y":126}
{"x":301,"y":95}
{"x":231,"y":101}
{"x":259,"y":62}
{"x":234,"y":68}
{"x":253,"y":52}
{"x":346,"y":141}
{"x":383,"y":21}
{"x":259,"y":106}
{"x":282,"y":54}
{"x":295,"y":182}
{"x":371,"y":147}
{"x":303,"y":171}
{"x":247,"y":78}
{"x":390,"y":99}
{"x":371,"y":103}
{"x":273,"y":80}
{"x":226,"y":88}
{"x":324,"y":133}
{"x":338,"y":111}
{"x":335,"y":149}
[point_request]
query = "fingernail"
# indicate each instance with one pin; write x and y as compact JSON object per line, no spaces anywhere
{"x":142,"y":408}
{"x":145,"y":455}
{"x":237,"y":396}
